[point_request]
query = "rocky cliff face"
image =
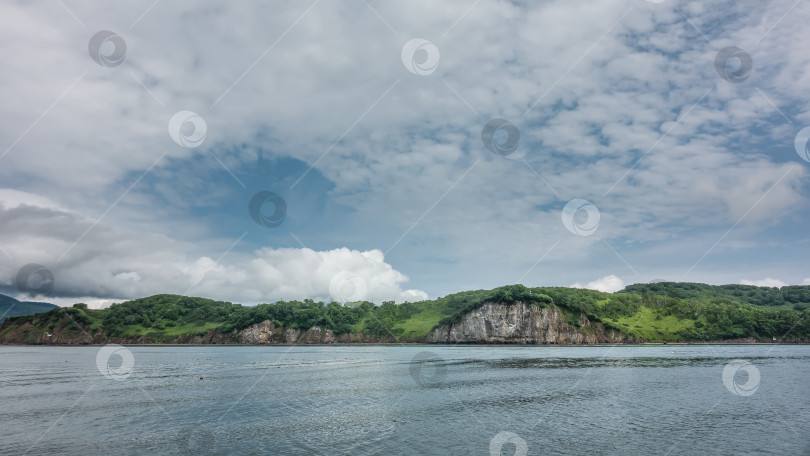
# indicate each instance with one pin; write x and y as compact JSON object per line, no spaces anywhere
{"x":519,"y":323}
{"x":65,"y":332}
{"x":492,"y":323}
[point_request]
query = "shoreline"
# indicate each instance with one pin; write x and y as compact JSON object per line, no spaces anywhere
{"x":388,"y":344}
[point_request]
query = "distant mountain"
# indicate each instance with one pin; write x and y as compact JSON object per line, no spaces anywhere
{"x":10,"y":307}
{"x":663,"y":312}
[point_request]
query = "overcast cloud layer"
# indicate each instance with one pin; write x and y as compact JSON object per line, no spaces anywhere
{"x":390,"y":192}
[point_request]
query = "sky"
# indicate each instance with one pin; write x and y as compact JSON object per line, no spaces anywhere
{"x":399,"y":150}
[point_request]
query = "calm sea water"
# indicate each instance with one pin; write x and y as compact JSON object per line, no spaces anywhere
{"x":459,"y":400}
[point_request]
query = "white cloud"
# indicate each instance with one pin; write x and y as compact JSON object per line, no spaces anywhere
{"x":607,"y":284}
{"x":91,"y":302}
{"x":806,"y":282}
{"x":10,"y":199}
{"x":766,"y":282}
{"x":110,"y":263}
{"x":276,"y":274}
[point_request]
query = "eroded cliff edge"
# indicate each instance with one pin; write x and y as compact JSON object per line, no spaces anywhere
{"x":492,"y":323}
{"x":64,"y":332}
{"x":519,"y":323}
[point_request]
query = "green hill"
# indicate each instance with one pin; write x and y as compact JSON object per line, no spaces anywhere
{"x":164,"y":317}
{"x":10,"y":307}
{"x":790,"y":297}
{"x":654,"y":312}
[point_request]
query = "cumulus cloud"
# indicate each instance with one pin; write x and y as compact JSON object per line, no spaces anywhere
{"x":110,"y":263}
{"x":766,"y":282}
{"x":607,"y":284}
{"x":288,"y":273}
{"x":11,"y":198}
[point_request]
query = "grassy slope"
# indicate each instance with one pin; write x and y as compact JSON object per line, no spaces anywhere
{"x":420,"y":323}
{"x":174,"y":331}
{"x":651,"y":325}
{"x":653,"y":317}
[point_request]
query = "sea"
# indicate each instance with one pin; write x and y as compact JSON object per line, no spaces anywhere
{"x":405,"y":399}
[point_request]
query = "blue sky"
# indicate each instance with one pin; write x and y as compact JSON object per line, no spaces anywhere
{"x":374,"y":142}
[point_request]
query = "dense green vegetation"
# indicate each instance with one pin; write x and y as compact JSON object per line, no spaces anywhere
{"x":653,"y":312}
{"x":10,"y":307}
{"x":790,"y":297}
